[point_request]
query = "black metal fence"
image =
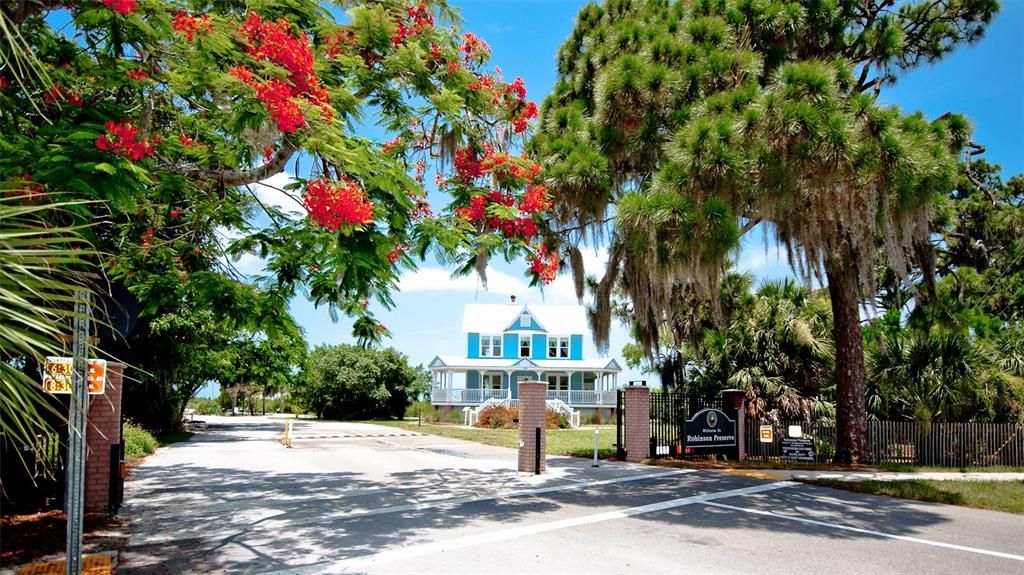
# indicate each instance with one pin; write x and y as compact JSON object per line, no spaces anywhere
{"x":669,"y":412}
{"x":942,"y":444}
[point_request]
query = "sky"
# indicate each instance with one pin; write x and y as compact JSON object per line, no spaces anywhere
{"x":985,"y":82}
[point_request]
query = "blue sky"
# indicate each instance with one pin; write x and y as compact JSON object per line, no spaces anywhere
{"x":984,"y":82}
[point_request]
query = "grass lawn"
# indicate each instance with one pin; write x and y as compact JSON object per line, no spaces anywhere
{"x":578,"y":442}
{"x":998,"y":495}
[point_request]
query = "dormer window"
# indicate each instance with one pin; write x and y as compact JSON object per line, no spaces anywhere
{"x":524,"y":320}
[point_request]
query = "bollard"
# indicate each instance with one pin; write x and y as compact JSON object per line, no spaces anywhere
{"x":597,"y":433}
{"x":536,"y":463}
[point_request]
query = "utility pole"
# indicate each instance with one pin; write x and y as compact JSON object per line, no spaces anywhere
{"x":74,"y":489}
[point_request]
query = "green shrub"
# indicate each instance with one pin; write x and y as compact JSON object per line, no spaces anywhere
{"x":594,"y":419}
{"x":205,"y":406}
{"x":419,"y":409}
{"x":137,"y":441}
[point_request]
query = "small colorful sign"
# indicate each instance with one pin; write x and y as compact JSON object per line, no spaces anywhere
{"x":767,"y":434}
{"x":58,"y":374}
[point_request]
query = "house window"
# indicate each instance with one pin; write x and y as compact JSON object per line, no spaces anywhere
{"x":558,"y":347}
{"x":492,"y":381}
{"x":490,"y":346}
{"x":525,"y":346}
{"x":589,"y":381}
{"x":558,"y":382}
{"x":524,"y":320}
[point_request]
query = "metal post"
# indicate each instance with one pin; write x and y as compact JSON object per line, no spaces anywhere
{"x":74,"y":489}
{"x":597,"y":433}
{"x":536,"y":462}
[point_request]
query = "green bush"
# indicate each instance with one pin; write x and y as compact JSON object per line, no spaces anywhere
{"x":419,"y":409}
{"x":205,"y":406}
{"x":137,"y":441}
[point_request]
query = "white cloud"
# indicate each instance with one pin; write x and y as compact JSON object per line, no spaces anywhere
{"x":269,"y":192}
{"x":432,"y":279}
{"x":754,"y":259}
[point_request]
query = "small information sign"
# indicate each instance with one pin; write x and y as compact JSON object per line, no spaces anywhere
{"x":58,"y":373}
{"x":710,"y":428}
{"x":798,"y":449}
{"x":767,"y":434}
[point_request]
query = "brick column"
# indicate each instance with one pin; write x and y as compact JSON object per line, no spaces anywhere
{"x":638,"y":423}
{"x":734,"y":403}
{"x":103,"y":429}
{"x":532,"y":415}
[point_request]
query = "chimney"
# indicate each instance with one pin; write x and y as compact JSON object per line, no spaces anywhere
{"x":512,"y":300}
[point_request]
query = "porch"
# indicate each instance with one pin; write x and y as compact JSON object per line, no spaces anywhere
{"x":472,"y":381}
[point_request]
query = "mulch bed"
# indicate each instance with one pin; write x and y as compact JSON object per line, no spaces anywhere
{"x":34,"y":535}
{"x":712,"y":464}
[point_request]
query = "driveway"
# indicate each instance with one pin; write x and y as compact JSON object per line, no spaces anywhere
{"x":355,"y":498}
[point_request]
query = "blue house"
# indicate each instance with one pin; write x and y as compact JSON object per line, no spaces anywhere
{"x":506,"y":344}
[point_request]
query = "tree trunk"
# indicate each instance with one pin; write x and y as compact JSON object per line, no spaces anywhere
{"x":851,"y":424}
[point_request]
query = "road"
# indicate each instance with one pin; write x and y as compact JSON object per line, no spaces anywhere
{"x":355,"y":498}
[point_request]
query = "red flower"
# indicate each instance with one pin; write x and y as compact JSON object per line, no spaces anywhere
{"x":186,"y":141}
{"x":544,"y":265}
{"x":4,"y":82}
{"x":189,"y":25}
{"x":58,"y":94}
{"x":338,"y":42}
{"x":535,"y":200}
{"x":274,"y":42}
{"x":517,"y":88}
{"x":390,"y":145}
{"x":121,"y":6}
{"x":473,"y":48}
{"x":175,"y":212}
{"x":397,"y":252}
{"x":331,"y":206}
{"x":138,"y":74}
{"x":475,"y":211}
{"x":123,"y":140}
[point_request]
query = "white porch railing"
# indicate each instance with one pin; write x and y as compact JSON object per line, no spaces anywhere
{"x":562,"y":408}
{"x":444,"y":396}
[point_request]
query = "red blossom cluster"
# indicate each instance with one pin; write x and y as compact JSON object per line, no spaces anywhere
{"x":397,"y":252}
{"x":121,"y":6}
{"x":418,"y":19}
{"x":147,"y":239}
{"x":422,"y":210}
{"x":4,"y":82}
{"x":535,"y":200}
{"x":58,"y":94}
{"x":474,"y":48}
{"x":544,"y":264}
{"x":390,"y":145}
{"x":521,"y":227}
{"x":138,"y":74}
{"x":123,"y":140}
{"x":274,"y":42}
{"x":508,"y":172}
{"x":331,"y":206}
{"x":188,"y":24}
{"x":336,"y":43}
{"x":511,"y":99}
{"x":186,"y":141}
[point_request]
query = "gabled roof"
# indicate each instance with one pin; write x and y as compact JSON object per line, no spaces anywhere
{"x":497,"y":318}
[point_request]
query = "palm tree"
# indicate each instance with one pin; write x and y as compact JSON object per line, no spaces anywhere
{"x":41,"y":268}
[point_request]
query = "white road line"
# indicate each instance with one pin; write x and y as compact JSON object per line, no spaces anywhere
{"x":415,"y":506}
{"x":871,"y":532}
{"x":490,"y":537}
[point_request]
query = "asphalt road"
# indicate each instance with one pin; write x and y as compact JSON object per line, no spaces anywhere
{"x":352,"y":498}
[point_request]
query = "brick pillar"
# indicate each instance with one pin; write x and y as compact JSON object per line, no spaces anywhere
{"x":103,"y":429}
{"x":734,"y":403}
{"x":638,"y":423}
{"x":532,"y":415}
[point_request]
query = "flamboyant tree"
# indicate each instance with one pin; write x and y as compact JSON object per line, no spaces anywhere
{"x":166,"y":114}
{"x":689,"y":123}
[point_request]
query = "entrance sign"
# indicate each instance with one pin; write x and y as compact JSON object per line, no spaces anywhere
{"x":798,"y":449}
{"x":58,"y":375}
{"x":710,"y":428}
{"x":767,"y":434}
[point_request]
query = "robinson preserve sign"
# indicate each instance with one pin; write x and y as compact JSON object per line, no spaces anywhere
{"x":710,"y":428}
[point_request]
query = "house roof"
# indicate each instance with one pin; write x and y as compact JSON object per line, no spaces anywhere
{"x":497,"y":318}
{"x":524,"y":364}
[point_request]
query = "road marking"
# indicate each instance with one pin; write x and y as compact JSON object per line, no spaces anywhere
{"x":871,"y":532}
{"x":269,"y":520}
{"x":516,"y":532}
